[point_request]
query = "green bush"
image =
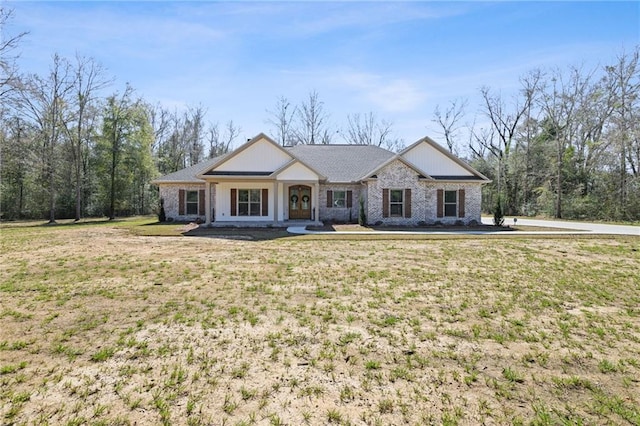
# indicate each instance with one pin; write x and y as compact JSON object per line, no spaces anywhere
{"x":498,"y":214}
{"x":362,"y":216}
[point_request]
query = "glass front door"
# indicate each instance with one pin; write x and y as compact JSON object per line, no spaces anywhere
{"x":300,"y":202}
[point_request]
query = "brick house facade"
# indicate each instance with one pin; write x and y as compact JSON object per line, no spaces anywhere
{"x":262,"y":182}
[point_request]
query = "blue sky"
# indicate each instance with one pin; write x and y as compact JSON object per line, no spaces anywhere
{"x":397,"y":60}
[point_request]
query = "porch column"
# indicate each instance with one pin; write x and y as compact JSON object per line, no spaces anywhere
{"x":207,"y":202}
{"x":316,"y":201}
{"x":280,"y":202}
{"x":275,"y":201}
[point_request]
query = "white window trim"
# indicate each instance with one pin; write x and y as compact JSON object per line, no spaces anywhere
{"x":335,"y":199}
{"x":187,"y":202}
{"x":248,"y":202}
{"x":391,"y":203}
{"x":445,"y":203}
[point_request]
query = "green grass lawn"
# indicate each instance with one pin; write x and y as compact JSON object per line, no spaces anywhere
{"x":114,"y":323}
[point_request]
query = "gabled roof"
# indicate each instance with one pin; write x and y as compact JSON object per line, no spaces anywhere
{"x":294,"y":162}
{"x":476,"y":174}
{"x":341,"y":163}
{"x":394,"y":157}
{"x":333,"y":163}
{"x":259,"y":137}
{"x":188,"y":174}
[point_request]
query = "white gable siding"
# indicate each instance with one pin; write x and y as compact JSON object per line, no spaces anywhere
{"x":262,"y":156}
{"x":433,"y":162}
{"x":298,"y":172}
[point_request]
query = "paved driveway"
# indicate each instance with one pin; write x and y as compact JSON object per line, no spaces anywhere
{"x":597,"y":228}
{"x":564,"y":226}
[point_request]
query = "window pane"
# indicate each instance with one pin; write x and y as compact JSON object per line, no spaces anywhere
{"x":396,"y":195}
{"x":192,"y":208}
{"x":339,"y":198}
{"x":243,"y":195}
{"x":450,"y":196}
{"x":255,"y":209}
{"x":255,"y":195}
{"x":450,"y":210}
{"x":192,"y":196}
{"x":396,"y":209}
{"x":243,"y":209}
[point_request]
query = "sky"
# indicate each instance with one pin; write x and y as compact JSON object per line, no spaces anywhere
{"x":397,"y":60}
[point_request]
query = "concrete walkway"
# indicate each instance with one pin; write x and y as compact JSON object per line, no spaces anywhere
{"x":572,"y":228}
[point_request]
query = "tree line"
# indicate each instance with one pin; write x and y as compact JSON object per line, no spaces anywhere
{"x":67,"y":150}
{"x":566,"y":145}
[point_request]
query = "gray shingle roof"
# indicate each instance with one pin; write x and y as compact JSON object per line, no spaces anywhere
{"x":188,"y":174}
{"x":341,"y":163}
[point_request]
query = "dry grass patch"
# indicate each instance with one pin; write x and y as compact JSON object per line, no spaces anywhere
{"x":102,"y":326}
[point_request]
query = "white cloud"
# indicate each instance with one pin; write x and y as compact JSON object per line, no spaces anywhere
{"x":389,"y":94}
{"x":330,"y":17}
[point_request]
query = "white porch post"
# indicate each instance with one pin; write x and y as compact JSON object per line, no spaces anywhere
{"x":280,"y":202}
{"x":316,"y":201}
{"x":275,"y":201}
{"x":207,"y":202}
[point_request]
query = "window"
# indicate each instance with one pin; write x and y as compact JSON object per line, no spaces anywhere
{"x":396,"y":202}
{"x":339,"y":198}
{"x":192,"y":202}
{"x":450,"y":203}
{"x":249,"y":202}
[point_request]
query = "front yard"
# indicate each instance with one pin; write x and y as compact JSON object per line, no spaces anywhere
{"x":101,"y":324}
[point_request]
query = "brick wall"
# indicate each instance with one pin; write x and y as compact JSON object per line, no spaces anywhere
{"x":336,"y":214}
{"x":397,"y":175}
{"x":169,"y":193}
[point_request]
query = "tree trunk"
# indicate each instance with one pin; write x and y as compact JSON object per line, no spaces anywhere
{"x":112,"y":203}
{"x":78,"y":194}
{"x":623,"y":180}
{"x":559,"y":187}
{"x":52,"y":194}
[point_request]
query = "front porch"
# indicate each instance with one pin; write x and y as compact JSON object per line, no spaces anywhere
{"x":264,"y":224}
{"x":261,"y":203}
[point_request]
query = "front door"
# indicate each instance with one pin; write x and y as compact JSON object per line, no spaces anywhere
{"x":300,"y":202}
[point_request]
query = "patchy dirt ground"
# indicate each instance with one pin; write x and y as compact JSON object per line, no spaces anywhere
{"x":101,"y":326}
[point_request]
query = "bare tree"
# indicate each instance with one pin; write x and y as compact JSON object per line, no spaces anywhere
{"x":623,"y":80}
{"x":531,"y":85}
{"x":220,"y":143}
{"x":561,"y":105}
{"x":7,"y":45}
{"x":45,"y":101}
{"x":311,"y":126}
{"x":281,"y":117}
{"x":231,"y":133}
{"x":368,"y":130}
{"x":178,"y":138}
{"x":504,"y":121}
{"x":161,"y":120}
{"x":449,"y":121}
{"x":89,"y":79}
{"x":194,"y":134}
{"x":213,"y":138}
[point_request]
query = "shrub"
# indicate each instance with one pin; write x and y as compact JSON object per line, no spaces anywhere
{"x":162,"y":217}
{"x":362,"y":216}
{"x":498,"y":215}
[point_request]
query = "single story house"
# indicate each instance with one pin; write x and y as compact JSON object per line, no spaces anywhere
{"x":262,"y":182}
